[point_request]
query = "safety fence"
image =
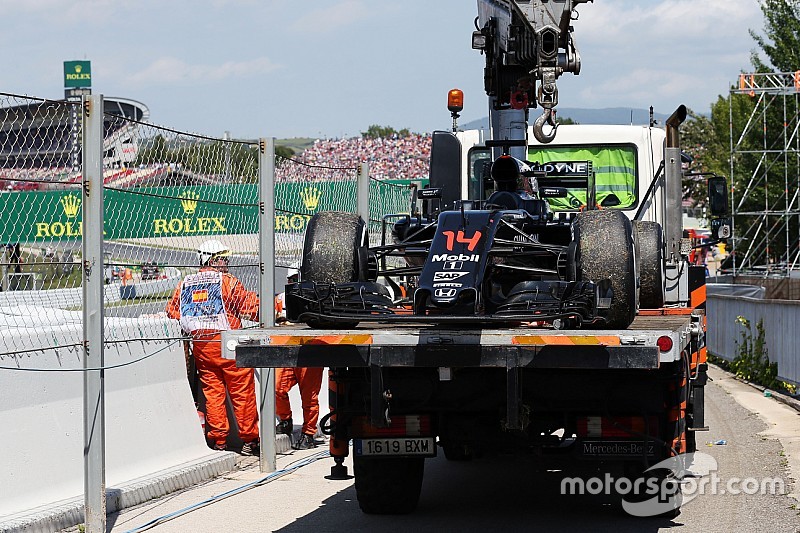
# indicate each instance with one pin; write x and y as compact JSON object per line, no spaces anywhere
{"x":163,"y":192}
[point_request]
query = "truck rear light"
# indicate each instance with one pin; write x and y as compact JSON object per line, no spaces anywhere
{"x":401,"y":426}
{"x":616,"y":426}
{"x":664,"y":343}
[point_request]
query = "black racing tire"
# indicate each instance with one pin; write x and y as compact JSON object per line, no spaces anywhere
{"x":388,"y":485}
{"x":604,"y":249}
{"x":650,"y":254}
{"x":334,"y":252}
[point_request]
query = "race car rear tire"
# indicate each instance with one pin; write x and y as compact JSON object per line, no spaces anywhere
{"x":333,"y":252}
{"x":650,"y":253}
{"x":388,"y":485}
{"x":604,"y":249}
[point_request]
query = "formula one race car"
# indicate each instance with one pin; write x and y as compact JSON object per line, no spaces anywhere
{"x":503,"y":260}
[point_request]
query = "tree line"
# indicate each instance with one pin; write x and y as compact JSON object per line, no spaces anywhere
{"x":757,"y":172}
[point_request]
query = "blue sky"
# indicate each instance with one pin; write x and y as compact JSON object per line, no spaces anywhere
{"x":283,"y":68}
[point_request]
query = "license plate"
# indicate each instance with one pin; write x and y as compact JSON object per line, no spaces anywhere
{"x":424,"y":446}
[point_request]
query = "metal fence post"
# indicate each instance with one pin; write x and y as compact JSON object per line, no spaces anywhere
{"x":266,"y":259}
{"x":362,"y":192}
{"x":93,"y":376}
{"x":4,"y":268}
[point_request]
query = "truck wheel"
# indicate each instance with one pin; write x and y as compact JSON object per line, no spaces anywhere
{"x":691,"y":436}
{"x":457,"y":452}
{"x":388,"y":485}
{"x":650,"y":254}
{"x":331,"y":254}
{"x":604,"y":250}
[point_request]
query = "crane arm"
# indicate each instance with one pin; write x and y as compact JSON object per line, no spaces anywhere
{"x":528,"y":44}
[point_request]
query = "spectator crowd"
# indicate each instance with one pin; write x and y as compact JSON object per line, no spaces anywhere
{"x":389,"y":158}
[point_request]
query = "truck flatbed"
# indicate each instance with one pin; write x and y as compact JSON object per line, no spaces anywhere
{"x":635,"y":347}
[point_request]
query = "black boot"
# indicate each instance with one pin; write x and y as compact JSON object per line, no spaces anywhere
{"x":306,"y":442}
{"x":284,"y":427}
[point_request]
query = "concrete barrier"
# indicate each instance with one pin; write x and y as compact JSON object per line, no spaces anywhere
{"x":72,"y":298}
{"x":152,"y":428}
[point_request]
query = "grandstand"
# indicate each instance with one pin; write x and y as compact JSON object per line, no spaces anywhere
{"x":38,"y":134}
{"x":36,"y":138}
{"x":40,"y":149}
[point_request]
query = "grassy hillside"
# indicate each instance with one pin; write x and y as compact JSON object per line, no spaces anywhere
{"x":298,"y":144}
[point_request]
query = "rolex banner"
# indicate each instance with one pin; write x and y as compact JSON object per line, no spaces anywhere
{"x":168,"y":211}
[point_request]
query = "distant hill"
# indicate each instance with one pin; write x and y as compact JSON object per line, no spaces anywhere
{"x":298,"y":144}
{"x":609,"y":115}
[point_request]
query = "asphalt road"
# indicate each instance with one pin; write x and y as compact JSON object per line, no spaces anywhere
{"x":505,"y":492}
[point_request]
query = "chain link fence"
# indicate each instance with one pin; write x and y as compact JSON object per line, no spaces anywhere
{"x":40,"y":205}
{"x":165,"y":192}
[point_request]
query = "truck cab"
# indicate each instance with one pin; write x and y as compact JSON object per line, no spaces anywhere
{"x":625,"y":160}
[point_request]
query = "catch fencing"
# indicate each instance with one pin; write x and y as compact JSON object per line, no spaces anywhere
{"x":78,"y":178}
{"x":164,"y":193}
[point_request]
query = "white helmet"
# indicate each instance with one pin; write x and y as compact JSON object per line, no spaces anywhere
{"x":211,"y":249}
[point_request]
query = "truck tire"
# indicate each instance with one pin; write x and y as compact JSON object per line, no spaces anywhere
{"x":388,"y":485}
{"x":331,"y":254}
{"x":650,"y":254}
{"x":691,"y":436}
{"x":604,"y":249}
{"x":457,"y":452}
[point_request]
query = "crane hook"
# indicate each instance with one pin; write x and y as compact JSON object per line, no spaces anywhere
{"x":547,"y":117}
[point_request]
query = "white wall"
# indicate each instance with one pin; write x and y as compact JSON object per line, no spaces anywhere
{"x":151,"y":421}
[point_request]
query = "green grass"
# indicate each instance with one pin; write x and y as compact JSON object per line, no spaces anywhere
{"x":298,"y":144}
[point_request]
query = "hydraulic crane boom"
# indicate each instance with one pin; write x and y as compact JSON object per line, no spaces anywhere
{"x":528,"y":44}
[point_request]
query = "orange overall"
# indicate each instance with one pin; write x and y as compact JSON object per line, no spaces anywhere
{"x":309,"y":380}
{"x":217,"y":374}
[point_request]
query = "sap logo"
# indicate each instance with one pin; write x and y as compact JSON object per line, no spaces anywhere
{"x":448,"y":284}
{"x":446,"y":276}
{"x":453,"y":265}
{"x":460,"y":257}
{"x":445,"y":293}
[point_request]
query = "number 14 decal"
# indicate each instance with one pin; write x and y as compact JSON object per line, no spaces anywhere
{"x":471,"y":242}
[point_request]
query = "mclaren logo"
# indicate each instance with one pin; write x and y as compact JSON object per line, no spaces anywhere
{"x":310,"y":197}
{"x":71,"y":204}
{"x":189,"y":201}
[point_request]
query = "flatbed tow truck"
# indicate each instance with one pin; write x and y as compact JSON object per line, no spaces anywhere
{"x":553,"y":315}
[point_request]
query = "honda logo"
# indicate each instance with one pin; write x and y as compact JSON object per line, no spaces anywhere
{"x":445,"y":293}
